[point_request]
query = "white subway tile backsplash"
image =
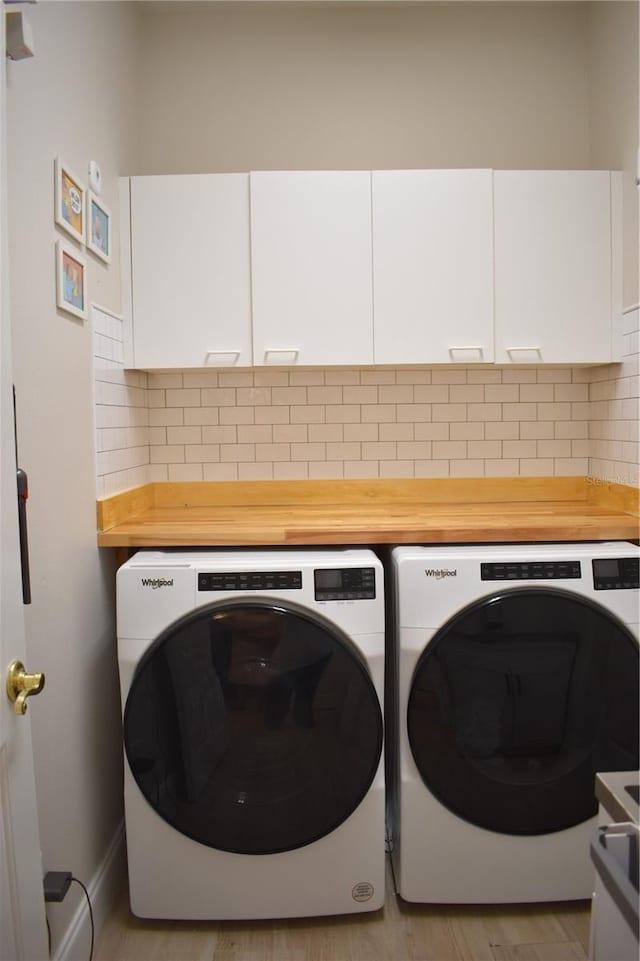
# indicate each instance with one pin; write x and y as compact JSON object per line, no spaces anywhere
{"x":431,"y":394}
{"x":305,"y":378}
{"x":466,"y":430}
{"x":345,"y":413}
{"x":253,"y":396}
{"x":398,"y":394}
{"x":359,"y":395}
{"x":428,"y":431}
{"x":484,"y":412}
{"x":213,"y":397}
{"x":535,"y":392}
{"x":554,"y":448}
{"x":502,"y":393}
{"x":396,"y":468}
{"x":238,"y":415}
{"x":185,"y":397}
{"x":519,"y":448}
{"x":378,"y":450}
{"x":291,"y":471}
{"x":324,"y":395}
{"x":412,"y":413}
{"x":359,"y":423}
{"x":256,"y":434}
{"x":255,"y":471}
{"x":432,"y":468}
{"x":185,"y":472}
{"x":282,"y":415}
{"x":220,"y":472}
{"x":520,"y":411}
{"x":467,"y":394}
{"x":402,"y":431}
{"x":319,"y":433}
{"x":361,"y":469}
{"x":202,"y":453}
{"x":537,"y":430}
{"x":167,"y":454}
{"x":184,"y":435}
{"x":289,"y":395}
{"x":448,"y":412}
{"x":467,"y":468}
{"x":308,"y":452}
{"x":200,"y":378}
{"x":370,"y":432}
{"x":273,"y":452}
{"x":502,"y":430}
{"x":326,"y":470}
{"x":233,"y":378}
{"x":273,"y":378}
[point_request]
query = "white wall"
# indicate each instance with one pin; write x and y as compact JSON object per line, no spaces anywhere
{"x":73,"y":99}
{"x":235,"y":87}
{"x":613,"y":109}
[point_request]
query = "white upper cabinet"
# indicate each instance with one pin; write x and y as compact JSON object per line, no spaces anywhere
{"x":190,"y":252}
{"x":311,"y":267}
{"x":553,"y":272}
{"x":432,"y":266}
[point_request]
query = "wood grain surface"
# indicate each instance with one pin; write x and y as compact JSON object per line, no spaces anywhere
{"x":368,"y":512}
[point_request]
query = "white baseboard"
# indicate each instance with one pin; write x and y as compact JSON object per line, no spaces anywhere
{"x":103,"y":889}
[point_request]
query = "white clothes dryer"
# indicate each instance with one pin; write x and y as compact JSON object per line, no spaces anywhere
{"x":252,"y":695}
{"x":517,"y":680}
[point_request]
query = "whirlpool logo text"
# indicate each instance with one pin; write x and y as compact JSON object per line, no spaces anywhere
{"x":156,"y":582}
{"x":441,"y":573}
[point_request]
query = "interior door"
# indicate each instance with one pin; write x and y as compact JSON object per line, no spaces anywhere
{"x":22,"y":916}
{"x":253,"y":727}
{"x":517,"y":702}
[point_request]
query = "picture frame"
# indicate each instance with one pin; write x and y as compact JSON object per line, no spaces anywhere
{"x":71,"y":281}
{"x":70,"y":200}
{"x":98,"y":236}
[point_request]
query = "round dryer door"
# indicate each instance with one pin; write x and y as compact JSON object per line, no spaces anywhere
{"x":253,"y":728}
{"x":515,"y":705}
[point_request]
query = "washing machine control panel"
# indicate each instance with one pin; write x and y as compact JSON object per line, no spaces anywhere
{"x":533,"y":571}
{"x":345,"y":583}
{"x":616,"y":573}
{"x":250,"y":581}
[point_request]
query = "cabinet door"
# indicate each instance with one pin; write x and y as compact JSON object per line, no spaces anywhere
{"x":552,"y":266}
{"x":432,"y":266}
{"x":190,"y":253}
{"x":311,"y":267}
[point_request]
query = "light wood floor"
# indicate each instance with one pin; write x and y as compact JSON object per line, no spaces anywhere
{"x":400,"y":932}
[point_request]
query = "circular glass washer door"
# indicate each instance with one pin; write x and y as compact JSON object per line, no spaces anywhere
{"x":517,"y":702}
{"x":253,"y":727}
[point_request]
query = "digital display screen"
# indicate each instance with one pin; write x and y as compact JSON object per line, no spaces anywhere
{"x":606,"y":568}
{"x":328,"y":580}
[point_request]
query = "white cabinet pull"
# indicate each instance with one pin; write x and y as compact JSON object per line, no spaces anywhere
{"x":221,"y":358}
{"x":467,"y":349}
{"x":524,"y":350}
{"x":281,"y":357}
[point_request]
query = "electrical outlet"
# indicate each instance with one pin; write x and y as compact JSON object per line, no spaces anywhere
{"x":56,"y":885}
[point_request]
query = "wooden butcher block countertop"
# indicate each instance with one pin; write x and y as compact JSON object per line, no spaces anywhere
{"x":437,"y":511}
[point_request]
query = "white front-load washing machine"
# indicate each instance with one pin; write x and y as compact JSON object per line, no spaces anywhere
{"x":517,"y":680}
{"x":252,"y":696}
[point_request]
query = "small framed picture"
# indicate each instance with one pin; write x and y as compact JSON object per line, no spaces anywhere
{"x":70,"y":194}
{"x":98,"y":227}
{"x":71,"y":281}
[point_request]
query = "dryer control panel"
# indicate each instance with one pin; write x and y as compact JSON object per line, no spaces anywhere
{"x":535,"y":571}
{"x":616,"y":573}
{"x":250,"y":581}
{"x":345,"y":583}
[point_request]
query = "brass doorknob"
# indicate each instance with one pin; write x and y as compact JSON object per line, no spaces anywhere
{"x":21,"y":685}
